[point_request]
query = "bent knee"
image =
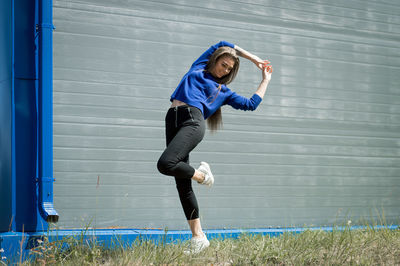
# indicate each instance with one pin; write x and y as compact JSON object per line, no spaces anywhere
{"x":164,"y":166}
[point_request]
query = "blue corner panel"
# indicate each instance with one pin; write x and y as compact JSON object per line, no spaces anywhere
{"x":25,"y":218}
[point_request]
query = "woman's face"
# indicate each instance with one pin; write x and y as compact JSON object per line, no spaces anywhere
{"x":223,"y":66}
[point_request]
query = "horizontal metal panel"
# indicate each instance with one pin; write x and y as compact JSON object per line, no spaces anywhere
{"x":129,"y":202}
{"x":312,"y":180}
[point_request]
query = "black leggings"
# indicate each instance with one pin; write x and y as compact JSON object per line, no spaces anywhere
{"x":184,"y":129}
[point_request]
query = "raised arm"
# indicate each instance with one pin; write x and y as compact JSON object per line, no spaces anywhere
{"x":239,"y":102}
{"x":201,"y":62}
{"x":253,"y":58}
{"x":261,"y":64}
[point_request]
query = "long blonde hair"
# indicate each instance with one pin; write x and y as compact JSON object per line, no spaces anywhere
{"x":214,"y":122}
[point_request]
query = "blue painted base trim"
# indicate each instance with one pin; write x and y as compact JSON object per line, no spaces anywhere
{"x":16,"y":246}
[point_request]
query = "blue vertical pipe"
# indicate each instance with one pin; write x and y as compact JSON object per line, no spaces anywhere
{"x":45,"y":162}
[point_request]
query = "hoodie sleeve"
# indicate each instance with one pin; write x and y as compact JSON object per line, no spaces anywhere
{"x":239,"y":102}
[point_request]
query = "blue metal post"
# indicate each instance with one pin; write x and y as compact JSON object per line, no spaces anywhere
{"x":6,"y":114}
{"x":45,"y":163}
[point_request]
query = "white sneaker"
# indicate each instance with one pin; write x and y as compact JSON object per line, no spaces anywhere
{"x":196,"y":245}
{"x":208,"y":176}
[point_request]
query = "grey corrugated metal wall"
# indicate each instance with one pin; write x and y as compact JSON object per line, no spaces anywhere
{"x":323,"y":145}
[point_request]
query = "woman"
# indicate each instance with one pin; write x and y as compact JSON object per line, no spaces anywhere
{"x":199,"y":97}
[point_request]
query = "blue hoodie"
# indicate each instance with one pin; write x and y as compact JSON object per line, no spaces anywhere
{"x":199,"y":88}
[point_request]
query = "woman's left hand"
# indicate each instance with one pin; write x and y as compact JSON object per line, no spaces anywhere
{"x":267,"y":72}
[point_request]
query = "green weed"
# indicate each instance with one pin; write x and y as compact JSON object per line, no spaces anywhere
{"x":367,"y":246}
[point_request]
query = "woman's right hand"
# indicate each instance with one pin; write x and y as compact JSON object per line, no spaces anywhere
{"x":260,"y":63}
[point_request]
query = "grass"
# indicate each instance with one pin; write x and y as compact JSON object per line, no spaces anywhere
{"x":341,"y":247}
